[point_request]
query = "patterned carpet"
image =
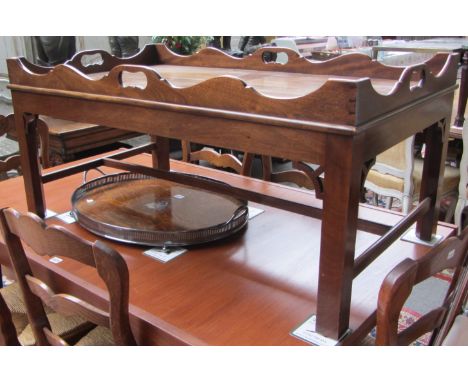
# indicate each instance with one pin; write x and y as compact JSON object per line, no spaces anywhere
{"x":407,"y":318}
{"x":425,"y":296}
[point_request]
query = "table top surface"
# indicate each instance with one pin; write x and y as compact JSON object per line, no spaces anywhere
{"x":272,"y":84}
{"x":252,"y":289}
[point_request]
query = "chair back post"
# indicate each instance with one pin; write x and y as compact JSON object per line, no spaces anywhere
{"x":113,"y":270}
{"x":186,"y":150}
{"x":247,"y":162}
{"x":460,"y":295}
{"x":8,"y":336}
{"x":395,"y":290}
{"x":35,"y":310}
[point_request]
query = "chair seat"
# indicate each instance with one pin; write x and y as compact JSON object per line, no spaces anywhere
{"x":458,"y":334}
{"x":70,"y":328}
{"x":61,"y":328}
{"x":99,"y":336}
{"x":450,"y":182}
{"x":12,"y":296}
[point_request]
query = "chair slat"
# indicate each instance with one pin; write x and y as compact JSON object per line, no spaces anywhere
{"x":216,"y":159}
{"x":57,"y":241}
{"x":66,"y":304}
{"x":49,"y":240}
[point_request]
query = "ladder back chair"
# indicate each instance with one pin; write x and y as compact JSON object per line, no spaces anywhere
{"x":302,"y":174}
{"x":113,"y":325}
{"x":214,"y":158}
{"x":399,"y":283}
{"x":13,"y":162}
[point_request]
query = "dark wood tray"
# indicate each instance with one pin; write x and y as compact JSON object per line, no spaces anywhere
{"x":139,"y":209}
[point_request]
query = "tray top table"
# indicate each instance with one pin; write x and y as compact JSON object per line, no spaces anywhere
{"x":338,"y":114}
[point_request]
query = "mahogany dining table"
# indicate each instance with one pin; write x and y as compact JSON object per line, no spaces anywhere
{"x":253,"y":288}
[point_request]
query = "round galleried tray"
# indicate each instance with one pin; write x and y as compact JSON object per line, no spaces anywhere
{"x":139,"y":209}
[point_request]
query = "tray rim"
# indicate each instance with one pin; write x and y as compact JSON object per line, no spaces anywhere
{"x":241,"y":212}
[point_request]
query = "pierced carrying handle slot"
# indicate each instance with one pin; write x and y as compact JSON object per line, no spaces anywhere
{"x":91,"y":60}
{"x":133,"y":76}
{"x":268,"y":52}
{"x":414,"y":72}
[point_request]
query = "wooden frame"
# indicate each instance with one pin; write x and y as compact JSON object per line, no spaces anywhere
{"x":399,"y":283}
{"x":56,"y":241}
{"x":342,"y":125}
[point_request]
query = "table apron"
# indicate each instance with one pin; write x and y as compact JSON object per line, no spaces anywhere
{"x":260,"y":138}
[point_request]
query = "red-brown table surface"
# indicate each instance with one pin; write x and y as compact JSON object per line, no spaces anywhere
{"x":252,"y":289}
